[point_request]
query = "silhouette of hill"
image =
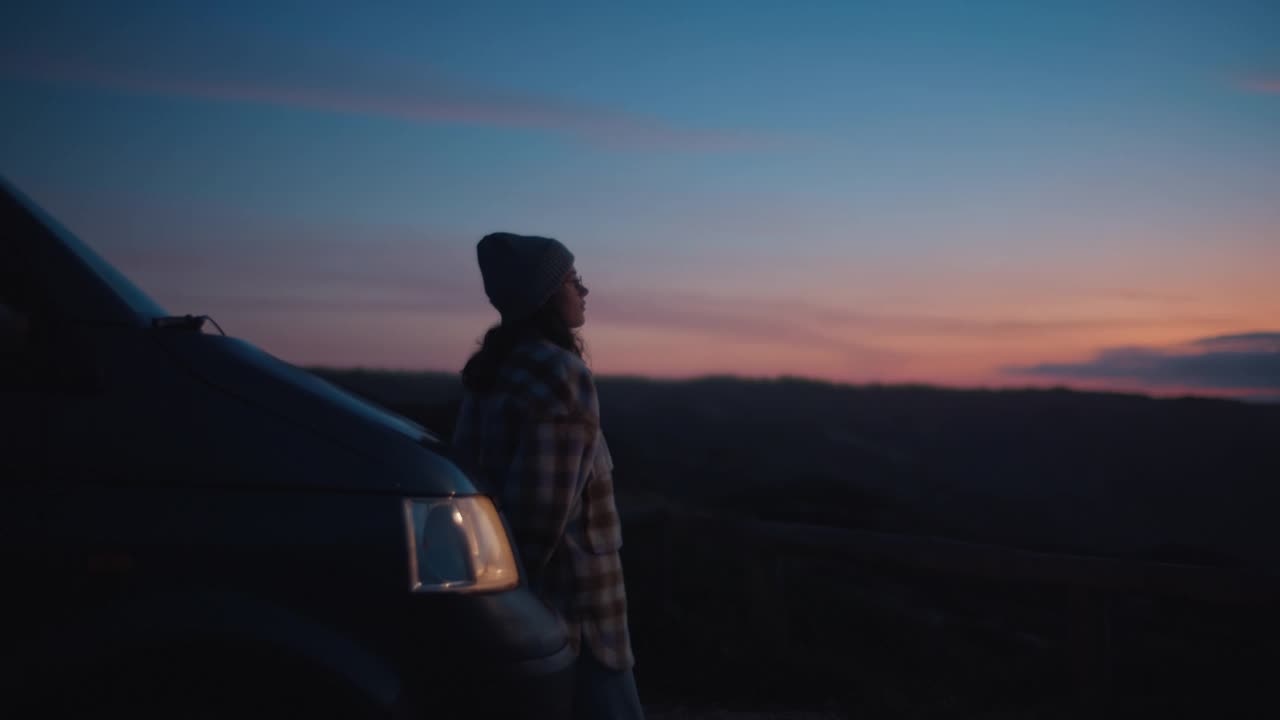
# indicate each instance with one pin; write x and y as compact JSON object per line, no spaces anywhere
{"x":1188,"y":479}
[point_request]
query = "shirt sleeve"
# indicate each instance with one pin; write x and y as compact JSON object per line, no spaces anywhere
{"x":544,"y":482}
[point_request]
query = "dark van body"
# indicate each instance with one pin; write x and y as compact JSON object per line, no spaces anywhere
{"x":192,"y":527}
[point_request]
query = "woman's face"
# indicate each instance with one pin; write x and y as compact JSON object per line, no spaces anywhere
{"x":571,"y":299}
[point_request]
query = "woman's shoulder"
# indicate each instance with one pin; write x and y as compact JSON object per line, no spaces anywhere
{"x":550,"y":377}
{"x":549,"y":354}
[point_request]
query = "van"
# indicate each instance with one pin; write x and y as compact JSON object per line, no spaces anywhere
{"x":194,"y":528}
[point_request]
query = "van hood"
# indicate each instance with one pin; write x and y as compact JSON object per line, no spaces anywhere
{"x":409,"y":459}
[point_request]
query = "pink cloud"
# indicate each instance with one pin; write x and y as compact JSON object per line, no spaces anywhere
{"x":728,"y":313}
{"x":386,"y":92}
{"x":1264,"y":86}
{"x":747,"y":321}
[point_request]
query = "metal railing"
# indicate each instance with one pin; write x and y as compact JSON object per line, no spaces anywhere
{"x":1088,"y":582}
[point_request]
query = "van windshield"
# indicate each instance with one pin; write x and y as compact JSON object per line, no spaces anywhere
{"x":137,"y":300}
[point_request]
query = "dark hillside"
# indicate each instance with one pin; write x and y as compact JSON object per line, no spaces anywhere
{"x":1191,"y":479}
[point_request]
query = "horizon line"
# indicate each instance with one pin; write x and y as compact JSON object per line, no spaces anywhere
{"x":870,"y":384}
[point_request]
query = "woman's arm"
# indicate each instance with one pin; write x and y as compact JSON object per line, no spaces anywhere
{"x":544,"y":483}
{"x":551,"y":424}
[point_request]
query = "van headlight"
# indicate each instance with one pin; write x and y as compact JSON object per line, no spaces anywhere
{"x":458,"y":544}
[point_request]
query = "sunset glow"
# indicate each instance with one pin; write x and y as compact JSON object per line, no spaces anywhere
{"x":1002,"y":197}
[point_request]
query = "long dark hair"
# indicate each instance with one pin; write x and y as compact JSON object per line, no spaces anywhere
{"x":481,"y":371}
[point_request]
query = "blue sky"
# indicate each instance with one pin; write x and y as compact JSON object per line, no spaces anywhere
{"x":930,"y":191}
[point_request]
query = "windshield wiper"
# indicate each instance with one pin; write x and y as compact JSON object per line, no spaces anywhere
{"x":191,"y":323}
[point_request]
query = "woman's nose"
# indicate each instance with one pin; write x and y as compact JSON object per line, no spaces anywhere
{"x":585,"y":291}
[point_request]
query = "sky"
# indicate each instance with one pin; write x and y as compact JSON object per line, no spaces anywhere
{"x":973,"y":194}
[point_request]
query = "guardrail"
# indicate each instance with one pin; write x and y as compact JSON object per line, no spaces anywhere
{"x":1090,"y":582}
{"x":1006,"y":564}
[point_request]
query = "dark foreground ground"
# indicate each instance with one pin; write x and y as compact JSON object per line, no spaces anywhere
{"x":727,"y":625}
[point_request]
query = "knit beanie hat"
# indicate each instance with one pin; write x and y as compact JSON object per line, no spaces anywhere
{"x":521,"y":271}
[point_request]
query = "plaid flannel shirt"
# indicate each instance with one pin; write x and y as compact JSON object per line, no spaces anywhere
{"x":535,"y":439}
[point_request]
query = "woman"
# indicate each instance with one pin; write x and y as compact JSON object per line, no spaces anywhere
{"x":530,"y":422}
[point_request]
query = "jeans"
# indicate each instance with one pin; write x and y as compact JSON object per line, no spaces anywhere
{"x":601,"y":693}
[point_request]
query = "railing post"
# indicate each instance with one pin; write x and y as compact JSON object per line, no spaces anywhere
{"x":672,"y":523}
{"x":1090,"y":647}
{"x":768,"y":600}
